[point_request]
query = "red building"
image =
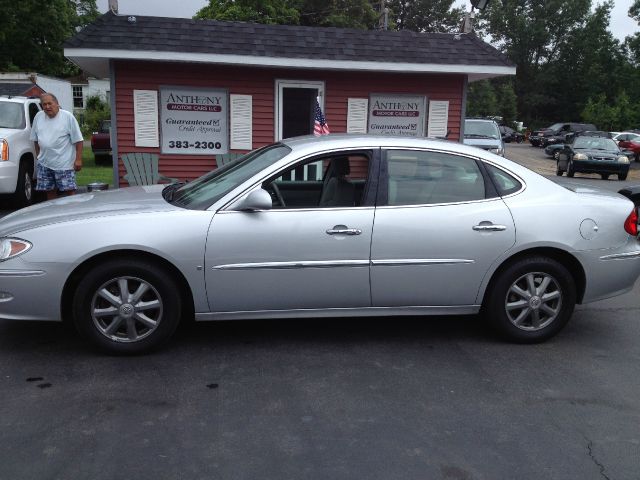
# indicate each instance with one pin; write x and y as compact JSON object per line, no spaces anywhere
{"x":190,"y":90}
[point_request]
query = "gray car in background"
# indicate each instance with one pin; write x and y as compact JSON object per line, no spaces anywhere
{"x":483,"y":133}
{"x":309,"y":227}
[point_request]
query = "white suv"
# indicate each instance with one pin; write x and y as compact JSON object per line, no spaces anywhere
{"x":17,"y":152}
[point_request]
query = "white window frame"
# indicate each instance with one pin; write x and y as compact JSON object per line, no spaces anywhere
{"x":280,"y":86}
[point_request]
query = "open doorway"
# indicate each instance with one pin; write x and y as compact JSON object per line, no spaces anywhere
{"x":296,"y":106}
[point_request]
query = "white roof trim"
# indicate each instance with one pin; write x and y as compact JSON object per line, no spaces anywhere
{"x":91,"y":55}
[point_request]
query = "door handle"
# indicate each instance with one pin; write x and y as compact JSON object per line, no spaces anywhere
{"x":343,"y":230}
{"x":489,"y":227}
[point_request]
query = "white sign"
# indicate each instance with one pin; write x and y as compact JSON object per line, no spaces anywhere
{"x":397,"y":114}
{"x":194,"y":121}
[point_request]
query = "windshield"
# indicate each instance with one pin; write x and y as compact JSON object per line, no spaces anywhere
{"x":11,"y":115}
{"x":481,"y":129}
{"x":595,"y":143}
{"x":556,"y":127}
{"x":201,"y":193}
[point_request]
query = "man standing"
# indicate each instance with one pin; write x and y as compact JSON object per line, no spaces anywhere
{"x":58,"y":143}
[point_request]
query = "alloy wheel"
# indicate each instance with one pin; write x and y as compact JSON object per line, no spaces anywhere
{"x":533,"y":301}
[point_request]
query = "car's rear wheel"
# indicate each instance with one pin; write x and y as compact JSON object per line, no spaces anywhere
{"x":622,"y":176}
{"x":531,"y":300}
{"x":23,"y":195}
{"x":127,"y":306}
{"x":604,"y":176}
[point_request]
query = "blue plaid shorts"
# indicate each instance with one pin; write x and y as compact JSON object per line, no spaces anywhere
{"x":47,"y":179}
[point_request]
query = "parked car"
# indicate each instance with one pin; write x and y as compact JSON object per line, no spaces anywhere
{"x":483,"y":133}
{"x":554,"y":149}
{"x":510,"y":135}
{"x":592,"y":154}
{"x":17,"y":151}
{"x":288,"y":231}
{"x":557,"y":133}
{"x":631,"y":142}
{"x":101,"y":144}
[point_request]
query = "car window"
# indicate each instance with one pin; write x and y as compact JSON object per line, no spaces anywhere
{"x":423,"y":177}
{"x":336,"y":180}
{"x":505,"y":184}
{"x":11,"y":115}
{"x":33,"y":110}
{"x":201,"y":193}
{"x":481,"y":128}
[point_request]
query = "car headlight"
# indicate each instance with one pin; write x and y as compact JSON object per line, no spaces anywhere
{"x":580,"y":156}
{"x":623,"y":159}
{"x":12,"y":247}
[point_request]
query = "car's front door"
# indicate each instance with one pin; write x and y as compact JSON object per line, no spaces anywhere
{"x":310,"y":251}
{"x":438,"y":234}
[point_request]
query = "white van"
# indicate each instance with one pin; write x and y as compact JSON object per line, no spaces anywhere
{"x":483,"y":133}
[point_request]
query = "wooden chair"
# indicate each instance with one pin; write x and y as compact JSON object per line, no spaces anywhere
{"x":142,"y":169}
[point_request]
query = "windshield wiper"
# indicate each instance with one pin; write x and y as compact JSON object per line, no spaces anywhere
{"x":169,"y":190}
{"x":476,"y":135}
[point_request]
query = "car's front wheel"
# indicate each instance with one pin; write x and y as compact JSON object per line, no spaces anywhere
{"x":531,"y":300}
{"x":127,"y":306}
{"x":622,"y":176}
{"x":570,"y":169}
{"x":23,"y":195}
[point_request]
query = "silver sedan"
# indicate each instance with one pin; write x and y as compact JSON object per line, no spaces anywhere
{"x":321,"y":227}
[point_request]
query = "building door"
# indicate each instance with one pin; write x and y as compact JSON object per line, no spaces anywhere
{"x":295,"y":104}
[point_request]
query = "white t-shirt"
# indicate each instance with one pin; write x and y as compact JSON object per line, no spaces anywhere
{"x":56,"y":137}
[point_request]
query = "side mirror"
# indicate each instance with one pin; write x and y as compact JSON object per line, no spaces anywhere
{"x":257,"y":200}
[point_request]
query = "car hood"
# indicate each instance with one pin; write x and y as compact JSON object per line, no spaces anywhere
{"x":598,"y":153}
{"x":485,"y":143}
{"x":7,"y":132}
{"x":130,"y":200}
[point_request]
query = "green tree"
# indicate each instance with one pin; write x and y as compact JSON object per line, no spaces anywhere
{"x":425,"y":15}
{"x":481,"y":100}
{"x":95,"y":111}
{"x":531,"y":34}
{"x":33,"y":33}
{"x":336,"y":13}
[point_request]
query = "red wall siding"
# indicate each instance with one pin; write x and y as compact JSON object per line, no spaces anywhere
{"x":260,"y":84}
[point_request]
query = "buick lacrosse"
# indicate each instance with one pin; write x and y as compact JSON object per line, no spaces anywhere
{"x":333,"y":226}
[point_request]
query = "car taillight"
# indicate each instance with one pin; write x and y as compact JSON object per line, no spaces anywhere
{"x":631,"y":223}
{"x":4,"y":151}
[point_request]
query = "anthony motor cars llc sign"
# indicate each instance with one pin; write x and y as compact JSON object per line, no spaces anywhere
{"x":397,"y":114}
{"x":194,"y":121}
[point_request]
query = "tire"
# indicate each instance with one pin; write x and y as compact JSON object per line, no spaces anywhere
{"x":23,"y":196}
{"x":604,"y":176}
{"x":531,"y":300}
{"x":556,"y":154}
{"x":570,"y":169}
{"x":622,"y":176}
{"x":130,"y":327}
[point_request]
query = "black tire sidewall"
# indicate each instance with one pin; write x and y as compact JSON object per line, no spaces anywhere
{"x":494,"y":309}
{"x":19,"y":197}
{"x":155,"y":276}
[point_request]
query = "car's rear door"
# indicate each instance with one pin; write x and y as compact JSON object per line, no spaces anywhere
{"x":435,"y":234}
{"x":298,"y":255}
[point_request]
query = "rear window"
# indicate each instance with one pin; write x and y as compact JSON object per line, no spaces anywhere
{"x":11,"y":115}
{"x":505,"y":184}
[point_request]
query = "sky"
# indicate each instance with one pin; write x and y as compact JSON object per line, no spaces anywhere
{"x":621,"y":25}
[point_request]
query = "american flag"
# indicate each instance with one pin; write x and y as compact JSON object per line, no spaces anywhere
{"x":320,"y":126}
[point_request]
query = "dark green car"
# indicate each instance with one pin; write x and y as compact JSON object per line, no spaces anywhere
{"x":592,"y":154}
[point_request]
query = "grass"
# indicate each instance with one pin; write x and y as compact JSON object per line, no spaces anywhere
{"x":91,"y":172}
